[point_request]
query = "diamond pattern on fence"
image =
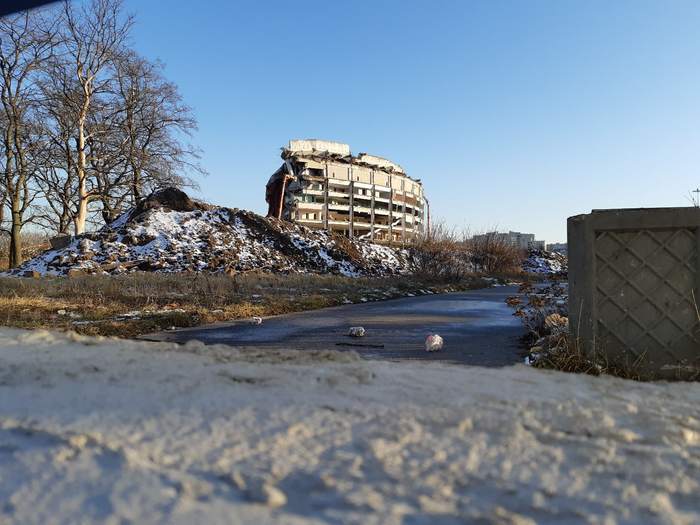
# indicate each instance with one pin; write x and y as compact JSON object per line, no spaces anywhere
{"x":644,"y":295}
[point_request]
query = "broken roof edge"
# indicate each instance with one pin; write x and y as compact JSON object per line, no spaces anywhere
{"x":380,"y":162}
{"x":301,"y":146}
{"x":320,"y":149}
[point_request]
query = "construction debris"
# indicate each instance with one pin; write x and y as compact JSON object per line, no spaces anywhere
{"x":556,"y":323}
{"x":544,"y":313}
{"x":546,"y":263}
{"x":433,"y":343}
{"x":356,"y":331}
{"x":169,"y":232}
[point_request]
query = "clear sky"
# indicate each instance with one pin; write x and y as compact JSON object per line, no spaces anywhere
{"x":515,"y":114}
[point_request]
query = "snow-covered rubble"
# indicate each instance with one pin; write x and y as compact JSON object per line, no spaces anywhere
{"x":546,"y":263}
{"x":114,"y":431}
{"x":544,"y":311}
{"x":168,"y":232}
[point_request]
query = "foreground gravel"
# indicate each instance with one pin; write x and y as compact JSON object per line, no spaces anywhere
{"x":115,"y":431}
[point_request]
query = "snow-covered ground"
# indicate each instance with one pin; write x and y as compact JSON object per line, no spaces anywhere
{"x":117,"y":431}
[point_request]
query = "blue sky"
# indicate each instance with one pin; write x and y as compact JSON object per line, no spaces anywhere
{"x":514,"y":114}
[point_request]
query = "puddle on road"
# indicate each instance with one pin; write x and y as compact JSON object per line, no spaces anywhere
{"x":462,"y":317}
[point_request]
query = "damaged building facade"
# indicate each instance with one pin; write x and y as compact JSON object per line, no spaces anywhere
{"x":323,"y":186}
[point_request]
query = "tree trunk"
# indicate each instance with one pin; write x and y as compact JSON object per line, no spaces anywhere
{"x":81,"y":216}
{"x":63,"y":223}
{"x":15,"y":254}
{"x":8,"y":174}
{"x":136,"y":184}
{"x":108,"y":214}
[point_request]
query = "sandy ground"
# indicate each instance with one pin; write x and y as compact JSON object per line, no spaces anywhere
{"x":115,"y":431}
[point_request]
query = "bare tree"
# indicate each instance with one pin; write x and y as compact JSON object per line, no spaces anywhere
{"x":136,"y":144}
{"x":154,"y":122}
{"x":108,"y":164}
{"x":26,"y":42}
{"x":92,"y":36}
{"x":3,"y":191}
{"x":57,"y":177}
{"x":92,"y":126}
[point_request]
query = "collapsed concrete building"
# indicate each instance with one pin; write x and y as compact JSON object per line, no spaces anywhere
{"x":323,"y":186}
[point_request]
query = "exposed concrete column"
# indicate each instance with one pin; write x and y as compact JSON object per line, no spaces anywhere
{"x":403,"y":211}
{"x":371,"y":179}
{"x":426,"y":215}
{"x":285,"y":180}
{"x":325,"y":197}
{"x":391,"y":210}
{"x":413,"y":216}
{"x":352,"y":206}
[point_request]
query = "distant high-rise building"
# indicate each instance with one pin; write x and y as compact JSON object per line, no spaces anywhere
{"x":522,"y":241}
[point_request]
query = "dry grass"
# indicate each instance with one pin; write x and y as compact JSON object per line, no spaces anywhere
{"x":33,"y":243}
{"x":556,"y":350}
{"x":491,"y":255}
{"x":448,"y":254}
{"x":568,"y":356}
{"x":100,"y":305}
{"x":441,"y":254}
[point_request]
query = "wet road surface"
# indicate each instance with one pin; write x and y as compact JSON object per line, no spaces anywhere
{"x":477,"y":326}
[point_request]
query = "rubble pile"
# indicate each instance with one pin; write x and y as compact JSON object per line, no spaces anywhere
{"x":169,"y":232}
{"x":546,"y":263}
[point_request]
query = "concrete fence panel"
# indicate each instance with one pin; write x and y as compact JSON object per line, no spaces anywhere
{"x":634,"y":288}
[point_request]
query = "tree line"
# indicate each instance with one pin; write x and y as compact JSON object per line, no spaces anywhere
{"x":88,"y":125}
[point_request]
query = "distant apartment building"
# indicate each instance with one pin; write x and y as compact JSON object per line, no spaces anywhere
{"x":522,"y":241}
{"x":322,"y":185}
{"x":559,"y":247}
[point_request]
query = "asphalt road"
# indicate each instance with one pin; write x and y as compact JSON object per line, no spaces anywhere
{"x":477,"y":326}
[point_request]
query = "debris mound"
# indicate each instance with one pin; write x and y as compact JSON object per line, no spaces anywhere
{"x":546,"y":263}
{"x":171,"y":199}
{"x":169,"y":232}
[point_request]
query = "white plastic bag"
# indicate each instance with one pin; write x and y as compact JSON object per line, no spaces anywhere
{"x":356,"y":331}
{"x":433,"y":343}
